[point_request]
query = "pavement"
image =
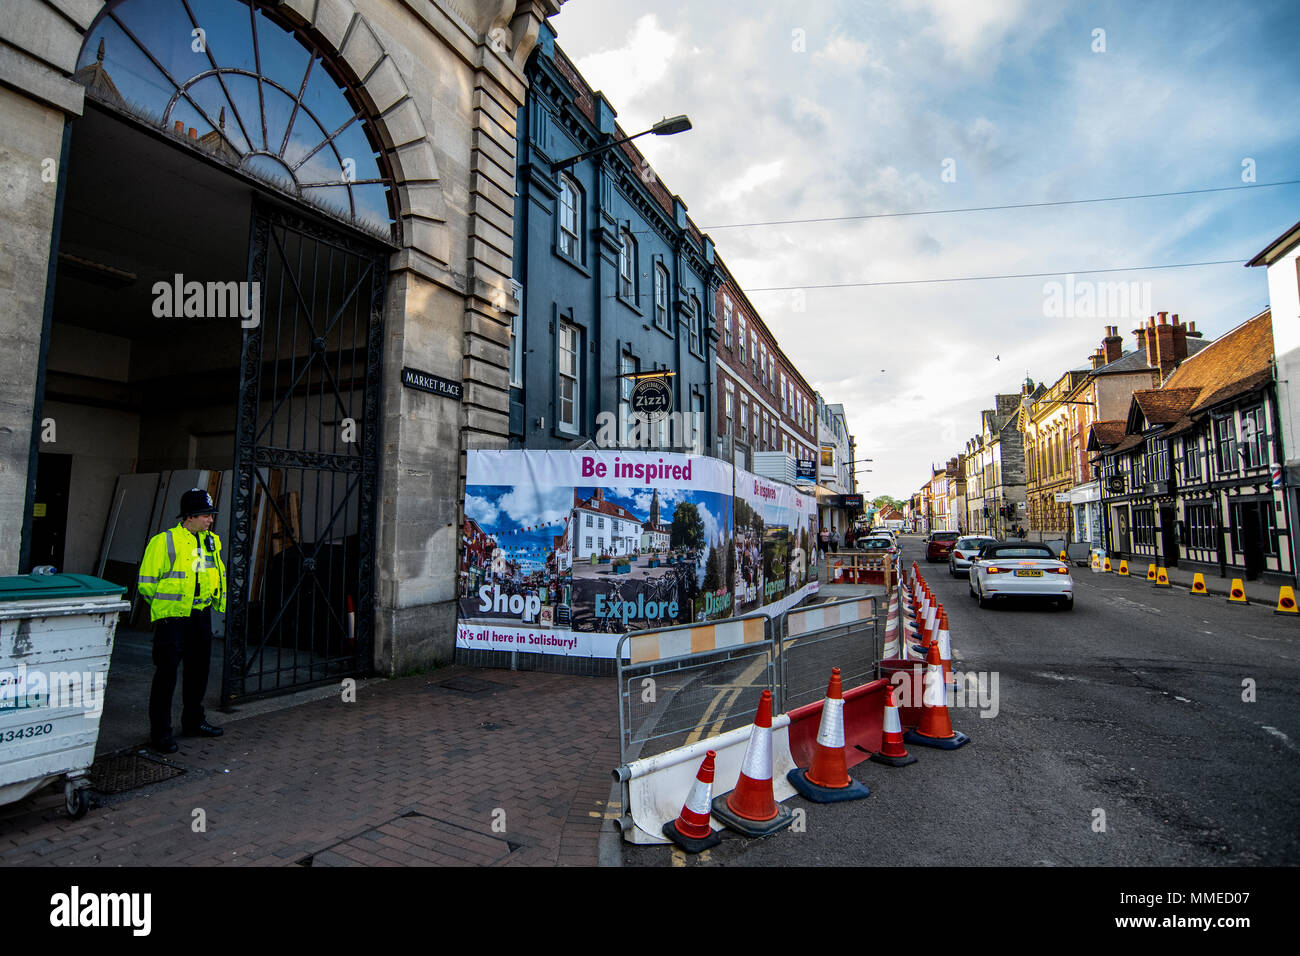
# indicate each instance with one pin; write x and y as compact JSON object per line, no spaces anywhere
{"x":456,"y":767}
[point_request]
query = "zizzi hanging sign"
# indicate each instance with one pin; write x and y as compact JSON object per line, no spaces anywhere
{"x":652,"y":398}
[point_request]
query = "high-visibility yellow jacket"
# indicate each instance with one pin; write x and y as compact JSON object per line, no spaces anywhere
{"x":176,"y":564}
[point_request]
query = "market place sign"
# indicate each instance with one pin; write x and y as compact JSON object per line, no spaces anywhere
{"x":652,"y":398}
{"x":433,"y":384}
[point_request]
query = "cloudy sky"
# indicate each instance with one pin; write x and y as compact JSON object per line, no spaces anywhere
{"x":840,"y":108}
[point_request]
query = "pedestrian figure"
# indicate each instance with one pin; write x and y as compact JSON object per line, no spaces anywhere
{"x":824,"y":541}
{"x":835,"y":542}
{"x":183,"y":578}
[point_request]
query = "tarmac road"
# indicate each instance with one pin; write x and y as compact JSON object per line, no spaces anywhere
{"x":1120,"y":738}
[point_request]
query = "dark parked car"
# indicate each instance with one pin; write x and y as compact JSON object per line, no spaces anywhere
{"x":939,"y":544}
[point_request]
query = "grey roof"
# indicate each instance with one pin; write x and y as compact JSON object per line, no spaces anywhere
{"x":1136,"y":361}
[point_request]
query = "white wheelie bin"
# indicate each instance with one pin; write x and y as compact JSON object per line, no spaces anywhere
{"x":56,"y":638}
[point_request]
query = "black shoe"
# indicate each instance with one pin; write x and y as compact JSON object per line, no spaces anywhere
{"x":204,"y":729}
{"x":165,"y":746}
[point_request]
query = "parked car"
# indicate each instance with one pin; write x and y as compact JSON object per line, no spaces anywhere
{"x":939,"y":544}
{"x":965,"y":550}
{"x":877,"y":545}
{"x":1020,"y":569}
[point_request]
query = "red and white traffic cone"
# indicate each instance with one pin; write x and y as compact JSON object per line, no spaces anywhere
{"x":935,"y":729}
{"x":892,"y":752}
{"x":828,"y":780}
{"x":691,"y":830}
{"x":751,"y":808}
{"x":945,"y":649}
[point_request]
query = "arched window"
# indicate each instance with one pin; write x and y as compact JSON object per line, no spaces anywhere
{"x":251,"y":93}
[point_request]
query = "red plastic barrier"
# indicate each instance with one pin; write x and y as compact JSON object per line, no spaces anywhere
{"x":864,"y":725}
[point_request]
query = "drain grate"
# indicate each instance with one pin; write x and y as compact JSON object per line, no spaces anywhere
{"x":121,"y":772}
{"x":472,"y":685}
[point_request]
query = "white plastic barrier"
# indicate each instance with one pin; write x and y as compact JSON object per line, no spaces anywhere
{"x":656,"y":787}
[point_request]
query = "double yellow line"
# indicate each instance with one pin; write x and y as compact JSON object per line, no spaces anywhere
{"x":724,"y":700}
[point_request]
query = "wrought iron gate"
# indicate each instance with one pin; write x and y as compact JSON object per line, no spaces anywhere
{"x":301,"y":556}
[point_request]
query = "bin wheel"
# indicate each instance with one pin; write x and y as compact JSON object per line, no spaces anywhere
{"x":76,"y":800}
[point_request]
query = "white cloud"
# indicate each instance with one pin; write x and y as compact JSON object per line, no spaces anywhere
{"x":749,"y":180}
{"x":481,"y":510}
{"x":528,"y":505}
{"x":623,"y":74}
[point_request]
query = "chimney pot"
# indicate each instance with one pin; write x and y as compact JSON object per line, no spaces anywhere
{"x":194,"y":134}
{"x":1164,"y":317}
{"x":179,"y":128}
{"x":1175,"y":319}
{"x":1192,"y":327}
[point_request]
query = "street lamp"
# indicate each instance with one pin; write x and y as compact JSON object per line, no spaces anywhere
{"x":665,"y":127}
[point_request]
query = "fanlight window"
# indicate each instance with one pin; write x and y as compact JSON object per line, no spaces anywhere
{"x":246,"y":90}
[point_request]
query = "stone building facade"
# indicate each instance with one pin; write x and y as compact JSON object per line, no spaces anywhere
{"x":356,"y":158}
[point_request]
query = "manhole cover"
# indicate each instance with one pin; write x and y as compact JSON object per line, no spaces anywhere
{"x":471,"y":685}
{"x":122,"y":772}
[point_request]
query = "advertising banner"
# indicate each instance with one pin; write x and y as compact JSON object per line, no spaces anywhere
{"x":773,"y":538}
{"x":562,"y":552}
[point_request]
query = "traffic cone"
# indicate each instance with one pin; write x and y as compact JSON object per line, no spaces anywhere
{"x":1123,"y":568}
{"x":1063,"y":558}
{"x":751,"y":808}
{"x":1285,"y":600}
{"x":935,"y":728}
{"x":1107,"y":566}
{"x":1162,"y":578}
{"x":892,"y":752}
{"x":828,"y":780}
{"x":1096,"y":564}
{"x":691,"y":830}
{"x":1237,"y":593}
{"x":945,"y":651}
{"x":1198,"y":584}
{"x":1151,"y":572}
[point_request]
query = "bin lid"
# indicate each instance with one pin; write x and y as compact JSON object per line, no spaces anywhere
{"x":36,"y":587}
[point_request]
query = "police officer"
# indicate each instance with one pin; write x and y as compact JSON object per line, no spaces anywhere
{"x":183,"y":579}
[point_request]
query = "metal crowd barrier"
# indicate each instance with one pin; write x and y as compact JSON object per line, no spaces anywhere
{"x":682,"y":684}
{"x":811,"y":640}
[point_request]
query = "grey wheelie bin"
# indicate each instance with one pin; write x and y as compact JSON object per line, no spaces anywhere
{"x":56,"y":638}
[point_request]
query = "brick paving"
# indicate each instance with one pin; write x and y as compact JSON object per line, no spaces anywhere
{"x":412,"y":774}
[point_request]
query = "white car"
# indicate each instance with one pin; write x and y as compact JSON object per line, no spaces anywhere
{"x":1020,"y":569}
{"x":965,"y":551}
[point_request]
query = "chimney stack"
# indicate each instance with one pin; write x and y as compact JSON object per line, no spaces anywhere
{"x":1166,"y":345}
{"x":1112,"y":345}
{"x":179,"y":128}
{"x":1143,"y":339}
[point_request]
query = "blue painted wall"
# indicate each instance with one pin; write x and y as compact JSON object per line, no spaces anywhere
{"x":584,"y":289}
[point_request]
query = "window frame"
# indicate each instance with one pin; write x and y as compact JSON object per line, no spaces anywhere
{"x":569,"y":186}
{"x":1257,"y":448}
{"x":1224,"y":433}
{"x":573,"y":333}
{"x":627,"y":252}
{"x":662,"y":311}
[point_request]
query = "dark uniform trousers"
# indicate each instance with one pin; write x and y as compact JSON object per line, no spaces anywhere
{"x":178,"y":640}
